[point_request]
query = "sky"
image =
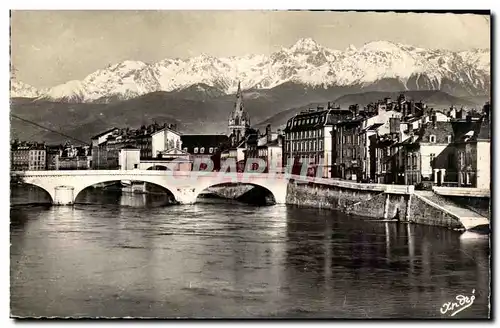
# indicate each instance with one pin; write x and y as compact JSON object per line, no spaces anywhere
{"x":53,"y":47}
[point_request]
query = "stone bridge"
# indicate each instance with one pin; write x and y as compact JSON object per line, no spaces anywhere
{"x":64,"y":186}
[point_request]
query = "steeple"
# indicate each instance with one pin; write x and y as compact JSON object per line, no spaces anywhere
{"x":238,"y":106}
{"x":239,"y":121}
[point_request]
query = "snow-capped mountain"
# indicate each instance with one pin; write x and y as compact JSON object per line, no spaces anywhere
{"x":305,"y":62}
{"x":20,"y":89}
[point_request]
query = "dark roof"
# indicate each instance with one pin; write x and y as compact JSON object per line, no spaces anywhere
{"x":441,"y":130}
{"x":207,"y":141}
{"x":316,"y":118}
{"x":373,"y":127}
{"x":463,"y":129}
{"x":103,"y":133}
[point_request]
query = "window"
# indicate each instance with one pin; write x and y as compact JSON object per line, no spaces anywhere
{"x":433,"y":157}
{"x":354,"y":153}
{"x":448,"y":138}
{"x":196,"y":150}
{"x":202,"y":150}
{"x":415,"y":160}
{"x":462,"y":159}
{"x":321,"y":145}
{"x":136,"y":166}
{"x":432,"y":138}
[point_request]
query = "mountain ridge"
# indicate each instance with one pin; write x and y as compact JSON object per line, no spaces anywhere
{"x":461,"y":73}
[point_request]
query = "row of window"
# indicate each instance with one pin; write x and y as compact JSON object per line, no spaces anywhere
{"x":310,"y":145}
{"x":201,"y":150}
{"x":350,"y":139}
{"x":305,"y":158}
{"x":311,"y":120}
{"x":412,"y":161}
{"x":305,"y":134}
{"x":432,"y":139}
{"x":349,"y":153}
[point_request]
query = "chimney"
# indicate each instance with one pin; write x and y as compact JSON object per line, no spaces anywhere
{"x":486,"y":110}
{"x":269,"y":135}
{"x":434,"y":120}
{"x":412,"y":108}
{"x":329,"y":105}
{"x":394,"y":124}
{"x":452,"y":113}
{"x":404,"y":109}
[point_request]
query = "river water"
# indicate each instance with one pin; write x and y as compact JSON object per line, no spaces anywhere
{"x":124,"y":255}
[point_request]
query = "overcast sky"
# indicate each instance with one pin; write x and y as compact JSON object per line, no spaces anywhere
{"x":53,"y":47}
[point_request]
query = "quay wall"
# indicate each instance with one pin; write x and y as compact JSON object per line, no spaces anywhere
{"x":371,"y":202}
{"x":425,"y":213}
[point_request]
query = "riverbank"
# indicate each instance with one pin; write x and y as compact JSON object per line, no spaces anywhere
{"x":391,"y":203}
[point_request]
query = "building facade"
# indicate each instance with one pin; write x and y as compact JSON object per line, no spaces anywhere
{"x":152,"y":141}
{"x":308,"y":139}
{"x":268,"y":147}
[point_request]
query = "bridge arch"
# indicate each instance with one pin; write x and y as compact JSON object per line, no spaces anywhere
{"x":119,"y":182}
{"x":85,"y":179}
{"x":256,"y":194}
{"x":275,"y":188}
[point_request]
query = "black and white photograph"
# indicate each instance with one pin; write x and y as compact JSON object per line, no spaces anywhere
{"x":250,"y":164}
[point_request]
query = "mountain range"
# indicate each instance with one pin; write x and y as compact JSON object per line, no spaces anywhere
{"x":383,"y":63}
{"x":198,"y":93}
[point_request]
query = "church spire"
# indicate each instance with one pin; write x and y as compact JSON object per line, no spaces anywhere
{"x":239,"y":98}
{"x":238,"y":93}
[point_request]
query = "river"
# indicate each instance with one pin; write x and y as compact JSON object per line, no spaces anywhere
{"x":125,"y":255}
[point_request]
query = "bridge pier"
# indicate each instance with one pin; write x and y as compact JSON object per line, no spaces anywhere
{"x":280,"y":197}
{"x":186,"y":196}
{"x":64,"y":195}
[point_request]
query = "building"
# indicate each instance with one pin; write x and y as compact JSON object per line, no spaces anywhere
{"x":54,"y":153}
{"x":429,"y":152}
{"x":153,"y":141}
{"x":473,"y":153}
{"x":99,"y":148}
{"x":239,"y":131}
{"x":19,"y":156}
{"x":268,"y":147}
{"x":204,"y":147}
{"x":239,"y":120}
{"x":308,"y":139}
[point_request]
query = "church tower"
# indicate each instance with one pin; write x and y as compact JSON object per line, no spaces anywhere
{"x":239,"y":121}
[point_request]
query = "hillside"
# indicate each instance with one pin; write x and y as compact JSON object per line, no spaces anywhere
{"x":198,"y":114}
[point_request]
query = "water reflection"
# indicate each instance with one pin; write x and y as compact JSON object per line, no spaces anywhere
{"x":142,"y":258}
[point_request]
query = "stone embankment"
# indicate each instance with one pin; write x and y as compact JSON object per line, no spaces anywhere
{"x":386,"y":202}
